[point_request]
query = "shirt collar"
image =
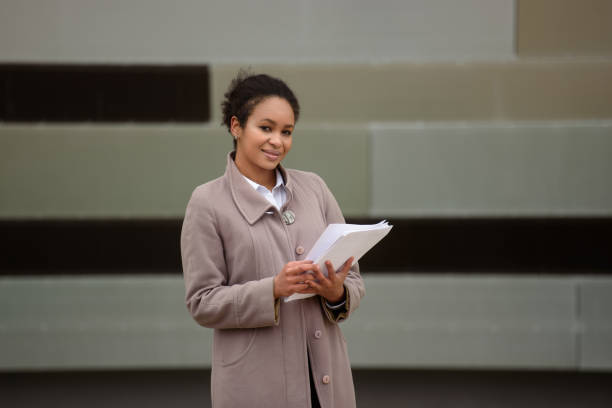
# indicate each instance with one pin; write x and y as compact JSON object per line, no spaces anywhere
{"x":279,"y":181}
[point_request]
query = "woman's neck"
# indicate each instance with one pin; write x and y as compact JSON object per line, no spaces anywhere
{"x":266,"y":178}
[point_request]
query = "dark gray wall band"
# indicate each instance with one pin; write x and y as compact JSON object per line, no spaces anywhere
{"x":374,"y":388}
{"x":104,"y":93}
{"x":439,"y":245}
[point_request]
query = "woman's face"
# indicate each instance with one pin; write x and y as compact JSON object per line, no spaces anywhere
{"x":265,"y":138}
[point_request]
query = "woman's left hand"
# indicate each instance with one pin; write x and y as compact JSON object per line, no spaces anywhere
{"x":332,"y":286}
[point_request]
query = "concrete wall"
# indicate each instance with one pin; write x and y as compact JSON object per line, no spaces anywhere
{"x":437,"y":108}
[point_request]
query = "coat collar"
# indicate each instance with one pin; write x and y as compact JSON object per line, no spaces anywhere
{"x":249,"y":202}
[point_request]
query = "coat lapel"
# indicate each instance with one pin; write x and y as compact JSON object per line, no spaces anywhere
{"x":251,"y":204}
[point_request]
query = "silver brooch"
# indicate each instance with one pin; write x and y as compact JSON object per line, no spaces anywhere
{"x":288,"y":217}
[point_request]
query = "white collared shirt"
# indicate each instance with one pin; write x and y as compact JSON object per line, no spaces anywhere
{"x":277,"y":196}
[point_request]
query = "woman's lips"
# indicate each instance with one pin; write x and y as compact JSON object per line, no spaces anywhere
{"x":271,"y":155}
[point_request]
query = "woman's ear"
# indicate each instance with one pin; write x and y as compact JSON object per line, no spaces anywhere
{"x":235,"y":127}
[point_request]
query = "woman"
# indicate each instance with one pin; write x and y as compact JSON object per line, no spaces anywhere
{"x":243,"y":244}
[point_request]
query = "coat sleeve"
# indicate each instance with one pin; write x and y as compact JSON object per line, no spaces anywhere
{"x":355,"y":289}
{"x":210,"y":300}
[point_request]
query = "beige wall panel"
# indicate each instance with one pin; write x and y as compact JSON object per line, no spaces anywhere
{"x":517,"y":90}
{"x":563,"y":90}
{"x":150,"y":171}
{"x":564,"y":27}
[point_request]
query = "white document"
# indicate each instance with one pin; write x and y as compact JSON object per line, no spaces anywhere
{"x":341,"y":241}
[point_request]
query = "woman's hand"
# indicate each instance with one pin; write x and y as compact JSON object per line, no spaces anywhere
{"x":293,"y":278}
{"x":332,"y":286}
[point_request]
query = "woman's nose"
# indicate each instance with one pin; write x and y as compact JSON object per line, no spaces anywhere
{"x":275,"y":139}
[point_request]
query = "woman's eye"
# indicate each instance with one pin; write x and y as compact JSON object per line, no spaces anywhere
{"x":265,"y":128}
{"x":287,"y":132}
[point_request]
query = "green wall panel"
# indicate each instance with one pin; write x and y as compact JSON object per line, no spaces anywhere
{"x":596,"y":309}
{"x":105,"y":171}
{"x":464,"y":321}
{"x":341,"y":156}
{"x":150,"y":171}
{"x":407,"y":321}
{"x":492,"y":169}
{"x":98,"y":322}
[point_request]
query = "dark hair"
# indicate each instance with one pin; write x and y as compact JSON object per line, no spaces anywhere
{"x":246,"y":90}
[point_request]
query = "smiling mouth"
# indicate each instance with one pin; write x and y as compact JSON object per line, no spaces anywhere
{"x":271,"y":155}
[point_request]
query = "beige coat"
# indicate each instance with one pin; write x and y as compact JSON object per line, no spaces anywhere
{"x":231,"y":249}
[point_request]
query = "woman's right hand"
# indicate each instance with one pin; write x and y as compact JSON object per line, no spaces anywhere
{"x":293,"y":278}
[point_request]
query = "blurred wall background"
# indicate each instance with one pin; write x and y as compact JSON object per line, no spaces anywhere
{"x":481,"y":129}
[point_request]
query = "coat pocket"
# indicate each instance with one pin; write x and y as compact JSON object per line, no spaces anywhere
{"x":234,"y":344}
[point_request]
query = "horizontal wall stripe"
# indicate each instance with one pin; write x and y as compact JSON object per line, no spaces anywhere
{"x":495,"y":245}
{"x":555,"y":246}
{"x":532,"y":89}
{"x":103,"y":93}
{"x":188,"y":31}
{"x":404,"y":321}
{"x":400,"y":169}
{"x":373,"y":388}
{"x":149,"y":171}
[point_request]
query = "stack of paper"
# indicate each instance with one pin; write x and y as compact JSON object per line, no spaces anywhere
{"x":341,"y":241}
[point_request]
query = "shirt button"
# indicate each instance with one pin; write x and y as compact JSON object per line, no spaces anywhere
{"x":317,"y":334}
{"x":326,"y":379}
{"x":299,"y":250}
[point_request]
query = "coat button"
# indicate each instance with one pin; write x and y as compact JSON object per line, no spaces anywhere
{"x":299,"y":250}
{"x":326,"y":379}
{"x":317,"y":334}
